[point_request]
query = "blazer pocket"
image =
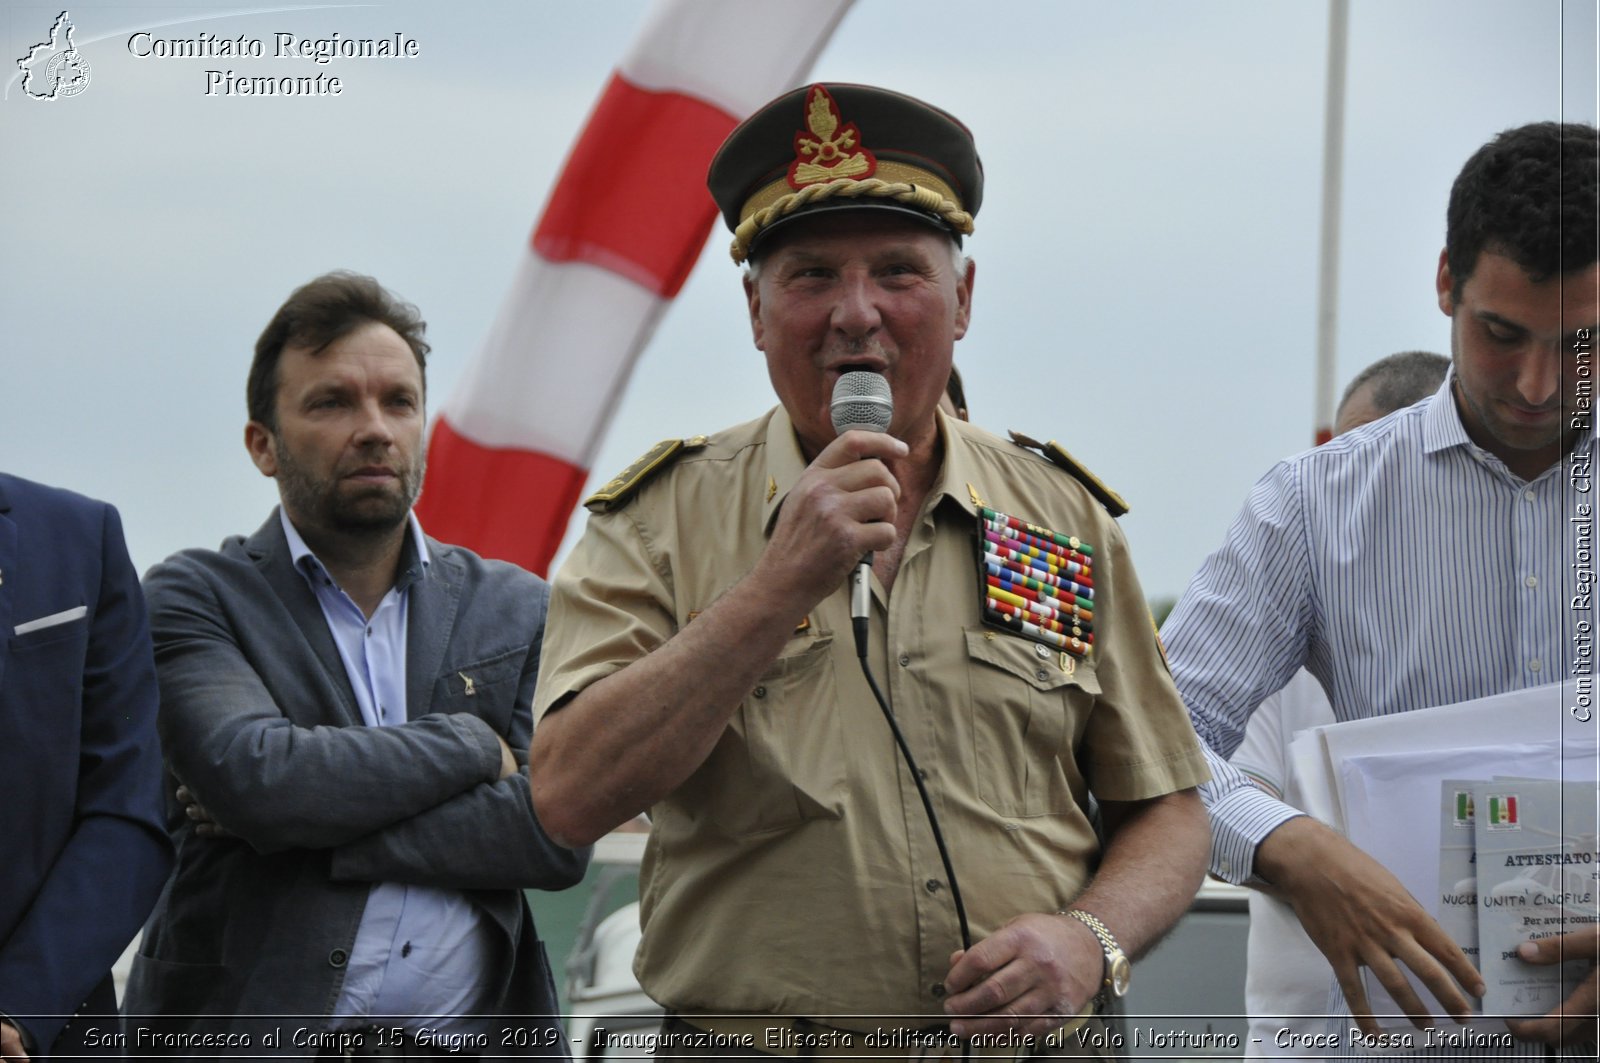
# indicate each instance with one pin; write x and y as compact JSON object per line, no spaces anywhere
{"x":54,"y":620}
{"x":486,"y":688}
{"x":167,"y":987}
{"x":47,"y":665}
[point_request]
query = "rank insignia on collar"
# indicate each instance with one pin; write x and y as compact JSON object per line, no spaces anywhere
{"x":1036,"y":583}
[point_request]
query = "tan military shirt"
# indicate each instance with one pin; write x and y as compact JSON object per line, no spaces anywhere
{"x":794,"y":873}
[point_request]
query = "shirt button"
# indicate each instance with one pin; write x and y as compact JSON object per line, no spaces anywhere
{"x":922,"y":773}
{"x":1532,"y":581}
{"x":1529,"y":496}
{"x":932,"y":885}
{"x":761,"y":692}
{"x":1533,"y":665}
{"x":905,"y":659}
{"x":937,"y":989}
{"x":337,"y":958}
{"x":1041,"y":675}
{"x":1226,"y":867}
{"x":1041,"y":651}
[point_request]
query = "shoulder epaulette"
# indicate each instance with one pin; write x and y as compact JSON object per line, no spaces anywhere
{"x":626,"y":483}
{"x":1059,"y":456}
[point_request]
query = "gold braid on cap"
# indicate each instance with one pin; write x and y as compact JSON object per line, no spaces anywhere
{"x":924,"y":199}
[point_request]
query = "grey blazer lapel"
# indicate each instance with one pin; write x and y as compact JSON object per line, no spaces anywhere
{"x":430,"y":619}
{"x":270,"y":551}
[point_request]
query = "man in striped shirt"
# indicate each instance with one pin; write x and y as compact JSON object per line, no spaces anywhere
{"x":1418,"y":561}
{"x":1286,"y":982}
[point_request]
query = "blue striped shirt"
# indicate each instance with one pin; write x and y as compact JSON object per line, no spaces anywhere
{"x":1405,"y":567}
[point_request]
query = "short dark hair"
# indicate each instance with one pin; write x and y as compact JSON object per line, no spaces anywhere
{"x":318,"y":313}
{"x":1528,"y":194}
{"x":1399,"y":380}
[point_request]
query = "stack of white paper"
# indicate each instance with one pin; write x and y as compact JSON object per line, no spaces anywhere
{"x":1381,"y":781}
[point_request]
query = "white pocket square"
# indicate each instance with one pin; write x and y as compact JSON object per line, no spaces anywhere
{"x":66,"y":616}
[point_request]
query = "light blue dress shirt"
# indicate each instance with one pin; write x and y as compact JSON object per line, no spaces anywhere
{"x":423,"y":957}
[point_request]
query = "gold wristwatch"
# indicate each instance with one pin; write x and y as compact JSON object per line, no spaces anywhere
{"x":1119,"y":972}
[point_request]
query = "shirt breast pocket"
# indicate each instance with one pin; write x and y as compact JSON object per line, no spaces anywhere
{"x":1029,"y":707}
{"x":779,"y":763}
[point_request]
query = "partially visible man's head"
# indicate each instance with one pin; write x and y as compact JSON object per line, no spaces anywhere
{"x":1528,"y":194}
{"x":336,"y":406}
{"x":1387,"y":385}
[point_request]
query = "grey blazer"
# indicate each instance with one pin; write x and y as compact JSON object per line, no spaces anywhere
{"x":251,"y":935}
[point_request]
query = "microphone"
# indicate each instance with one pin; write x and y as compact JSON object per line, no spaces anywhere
{"x":861,"y":401}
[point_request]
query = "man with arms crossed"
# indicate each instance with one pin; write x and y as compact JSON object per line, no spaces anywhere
{"x":341,"y":698}
{"x":1415,"y":562}
{"x":701,"y":663}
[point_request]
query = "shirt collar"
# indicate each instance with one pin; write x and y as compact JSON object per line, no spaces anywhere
{"x":1442,"y":427}
{"x":414,"y":559}
{"x":958,"y":475}
{"x":1441,"y":421}
{"x":785,"y":463}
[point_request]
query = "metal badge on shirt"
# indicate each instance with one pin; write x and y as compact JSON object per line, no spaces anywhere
{"x":1037,"y":583}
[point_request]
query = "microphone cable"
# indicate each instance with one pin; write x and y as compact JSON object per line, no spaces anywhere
{"x":859,"y":626}
{"x":862,"y":400}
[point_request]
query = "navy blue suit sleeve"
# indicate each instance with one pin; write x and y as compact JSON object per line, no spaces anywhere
{"x":106,"y":878}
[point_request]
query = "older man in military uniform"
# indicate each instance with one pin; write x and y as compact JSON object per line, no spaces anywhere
{"x":699,"y":661}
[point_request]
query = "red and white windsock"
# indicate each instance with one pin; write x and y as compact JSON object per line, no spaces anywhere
{"x":512,"y":446}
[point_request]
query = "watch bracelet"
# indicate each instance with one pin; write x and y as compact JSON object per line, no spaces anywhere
{"x":1102,"y":934}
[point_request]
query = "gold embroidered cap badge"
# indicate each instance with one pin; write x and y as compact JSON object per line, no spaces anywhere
{"x":829,"y":147}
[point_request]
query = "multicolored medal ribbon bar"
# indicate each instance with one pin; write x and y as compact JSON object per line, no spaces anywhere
{"x":1037,"y":583}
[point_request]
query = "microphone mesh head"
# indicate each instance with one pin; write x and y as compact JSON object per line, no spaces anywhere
{"x":861,"y":400}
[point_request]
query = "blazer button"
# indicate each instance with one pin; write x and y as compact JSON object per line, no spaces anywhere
{"x":338,"y":958}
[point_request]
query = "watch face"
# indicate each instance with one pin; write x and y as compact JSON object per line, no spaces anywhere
{"x":1121,"y":975}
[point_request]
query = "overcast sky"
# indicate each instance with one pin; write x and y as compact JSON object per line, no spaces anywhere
{"x":1148,"y":237}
